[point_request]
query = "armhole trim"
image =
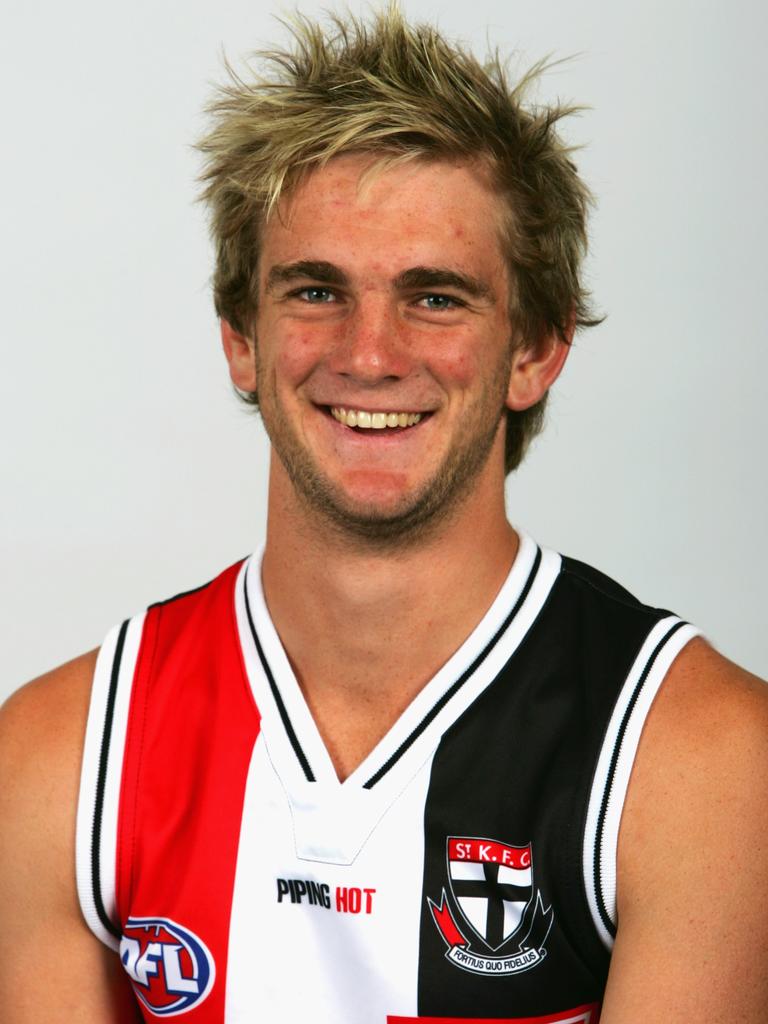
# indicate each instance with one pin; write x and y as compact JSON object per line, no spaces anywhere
{"x":614,"y":767}
{"x":100,"y":778}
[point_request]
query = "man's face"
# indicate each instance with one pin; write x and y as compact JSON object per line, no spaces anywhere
{"x":383,"y":342}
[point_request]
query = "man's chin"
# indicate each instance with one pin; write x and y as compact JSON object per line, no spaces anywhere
{"x":388,"y":510}
{"x":384,"y":521}
{"x":373,"y":521}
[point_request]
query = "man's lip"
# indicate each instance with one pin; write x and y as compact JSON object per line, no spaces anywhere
{"x":366,"y":407}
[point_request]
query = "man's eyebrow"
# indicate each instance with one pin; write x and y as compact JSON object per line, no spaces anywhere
{"x":414,"y":277}
{"x":314,"y":270}
{"x":442,"y":277}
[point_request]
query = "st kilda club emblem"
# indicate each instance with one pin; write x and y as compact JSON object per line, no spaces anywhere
{"x":495,"y":922}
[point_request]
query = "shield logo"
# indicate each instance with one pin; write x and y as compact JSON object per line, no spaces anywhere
{"x":492,"y":884}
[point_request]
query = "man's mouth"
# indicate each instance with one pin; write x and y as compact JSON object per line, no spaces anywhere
{"x":365,"y":420}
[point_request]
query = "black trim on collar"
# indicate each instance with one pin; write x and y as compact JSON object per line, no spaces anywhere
{"x":302,"y":757}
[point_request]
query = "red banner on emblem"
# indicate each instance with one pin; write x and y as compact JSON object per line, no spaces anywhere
{"x":480,"y":851}
{"x":445,"y":922}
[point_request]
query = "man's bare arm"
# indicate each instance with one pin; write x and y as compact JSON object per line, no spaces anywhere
{"x":52,"y":968}
{"x":692,"y":942}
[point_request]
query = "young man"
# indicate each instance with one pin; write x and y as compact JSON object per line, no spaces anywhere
{"x":406,"y":764}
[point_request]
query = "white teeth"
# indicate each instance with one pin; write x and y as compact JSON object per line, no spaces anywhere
{"x":374,"y":420}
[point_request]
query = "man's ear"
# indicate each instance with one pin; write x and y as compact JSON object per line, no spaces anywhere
{"x":536,"y":367}
{"x":238,"y":350}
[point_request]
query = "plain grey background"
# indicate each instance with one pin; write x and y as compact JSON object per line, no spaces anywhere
{"x":129,"y":471}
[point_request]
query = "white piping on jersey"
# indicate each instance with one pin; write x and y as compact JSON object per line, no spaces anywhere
{"x":97,"y":825}
{"x":331,"y":819}
{"x":614,"y":766}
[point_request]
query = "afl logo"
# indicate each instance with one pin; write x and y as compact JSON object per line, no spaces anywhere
{"x":170,"y":967}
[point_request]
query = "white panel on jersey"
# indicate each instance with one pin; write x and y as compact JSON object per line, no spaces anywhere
{"x":101,"y":742}
{"x":333,"y":820}
{"x":359,"y":953}
{"x":609,"y":787}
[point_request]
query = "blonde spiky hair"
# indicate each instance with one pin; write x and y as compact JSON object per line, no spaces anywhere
{"x":398,"y":91}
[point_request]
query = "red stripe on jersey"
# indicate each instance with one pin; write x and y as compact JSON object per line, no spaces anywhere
{"x":191,"y":730}
{"x":587,"y":1014}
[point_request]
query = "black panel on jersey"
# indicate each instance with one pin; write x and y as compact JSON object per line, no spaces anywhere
{"x":517,"y":768}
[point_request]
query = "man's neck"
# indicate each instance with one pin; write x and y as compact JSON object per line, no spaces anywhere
{"x":366,"y":628}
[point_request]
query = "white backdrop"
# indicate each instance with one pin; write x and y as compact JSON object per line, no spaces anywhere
{"x":129,"y":472}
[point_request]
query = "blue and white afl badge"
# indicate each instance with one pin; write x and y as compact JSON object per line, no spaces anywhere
{"x":170,"y":967}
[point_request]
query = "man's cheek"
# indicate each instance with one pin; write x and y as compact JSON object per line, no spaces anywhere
{"x":300,"y":351}
{"x":457,"y":365}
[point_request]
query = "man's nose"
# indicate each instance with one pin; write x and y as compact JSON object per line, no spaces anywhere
{"x":373,"y":344}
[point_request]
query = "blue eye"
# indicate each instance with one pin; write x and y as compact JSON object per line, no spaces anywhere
{"x":439,"y":302}
{"x":316,"y":295}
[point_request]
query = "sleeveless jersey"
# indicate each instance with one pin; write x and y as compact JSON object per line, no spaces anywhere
{"x":465,"y":871}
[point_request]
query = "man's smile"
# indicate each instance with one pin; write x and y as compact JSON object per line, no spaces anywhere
{"x":375,"y":420}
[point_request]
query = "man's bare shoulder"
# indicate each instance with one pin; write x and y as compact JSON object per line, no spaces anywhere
{"x":68,"y":682}
{"x":699,"y":775}
{"x":699,"y":668}
{"x":708,"y":725}
{"x":42,"y":726}
{"x":693,"y":860}
{"x":702,"y":760}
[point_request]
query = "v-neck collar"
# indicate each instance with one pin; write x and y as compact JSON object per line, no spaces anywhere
{"x":294,"y":745}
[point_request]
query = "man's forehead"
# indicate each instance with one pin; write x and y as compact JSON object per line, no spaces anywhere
{"x":396,"y":217}
{"x":362,"y":186}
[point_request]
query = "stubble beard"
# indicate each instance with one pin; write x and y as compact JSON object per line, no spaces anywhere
{"x":421,"y":513}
